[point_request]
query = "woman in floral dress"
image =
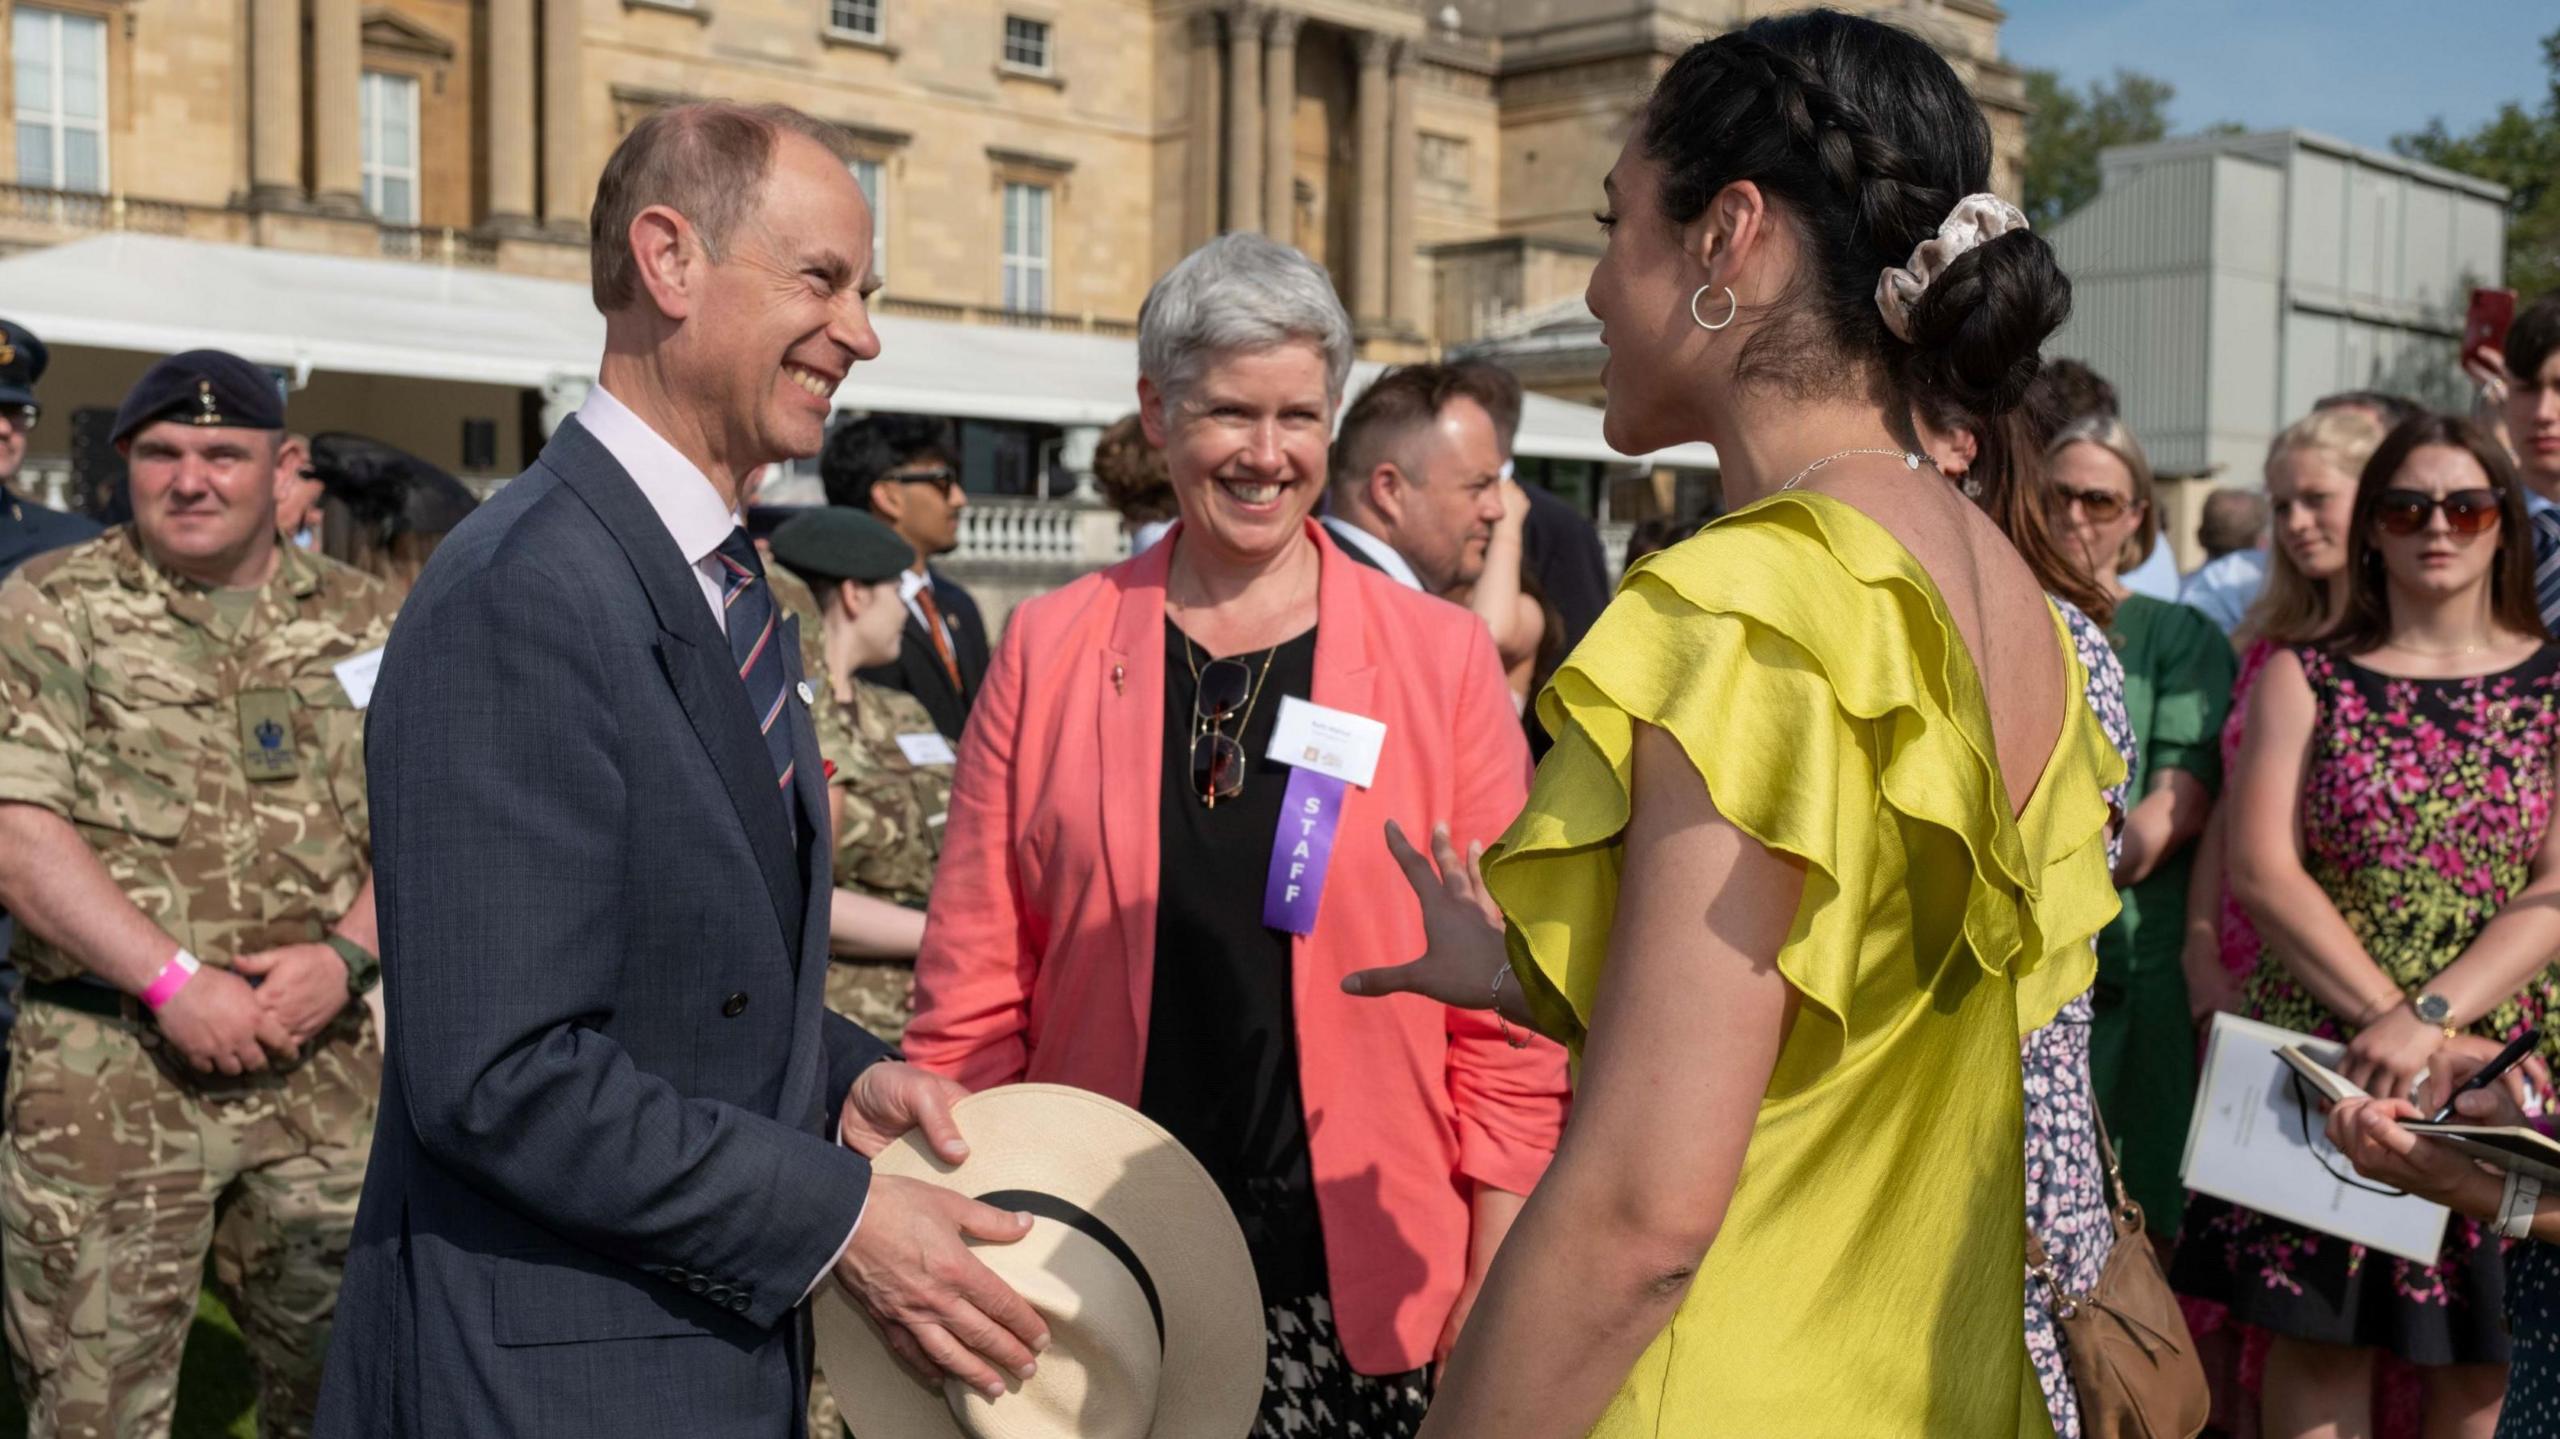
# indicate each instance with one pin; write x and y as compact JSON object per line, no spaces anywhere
{"x":2395,"y":786}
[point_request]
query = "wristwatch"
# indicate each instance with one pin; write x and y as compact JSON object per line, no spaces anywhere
{"x":364,"y":971}
{"x":2435,"y":1009}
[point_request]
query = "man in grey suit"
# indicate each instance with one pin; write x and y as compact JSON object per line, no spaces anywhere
{"x":621,"y":1141}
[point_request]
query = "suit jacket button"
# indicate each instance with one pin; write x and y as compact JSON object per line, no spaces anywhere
{"x":739,"y":1304}
{"x":697,"y":1284}
{"x":736,"y":1005}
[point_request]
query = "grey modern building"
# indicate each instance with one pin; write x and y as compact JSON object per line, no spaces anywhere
{"x":2225,"y":283}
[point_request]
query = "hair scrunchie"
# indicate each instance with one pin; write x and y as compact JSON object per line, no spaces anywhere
{"x":1975,"y":219}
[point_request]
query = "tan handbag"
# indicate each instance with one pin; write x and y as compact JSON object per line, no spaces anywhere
{"x":2133,"y":1363}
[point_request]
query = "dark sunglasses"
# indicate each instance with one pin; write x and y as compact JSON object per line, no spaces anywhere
{"x":1217,"y":762}
{"x":24,"y":417}
{"x":2099,"y":505}
{"x":2466,"y":512}
{"x":941,"y":477}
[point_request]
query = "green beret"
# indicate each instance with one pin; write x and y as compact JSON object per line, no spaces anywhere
{"x":830,"y":542}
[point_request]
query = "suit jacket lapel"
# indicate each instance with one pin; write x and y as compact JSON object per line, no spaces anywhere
{"x":695,"y":657}
{"x":810,"y":954}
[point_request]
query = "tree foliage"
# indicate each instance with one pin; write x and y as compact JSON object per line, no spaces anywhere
{"x":2520,"y":149}
{"x":2067,"y":128}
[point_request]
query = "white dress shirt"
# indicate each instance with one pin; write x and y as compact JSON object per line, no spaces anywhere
{"x":912,"y":583}
{"x":695,"y":518}
{"x":674,"y":486}
{"x":1377,"y":549}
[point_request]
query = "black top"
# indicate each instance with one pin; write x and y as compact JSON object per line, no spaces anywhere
{"x":28,"y":529}
{"x":1222,"y":1040}
{"x":918,"y":668}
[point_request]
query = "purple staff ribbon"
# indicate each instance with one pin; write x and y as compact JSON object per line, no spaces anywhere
{"x":1301,"y":851}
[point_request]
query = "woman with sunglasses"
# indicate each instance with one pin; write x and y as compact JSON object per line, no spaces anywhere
{"x":2388,"y":832}
{"x":2178,"y":668}
{"x":1166,"y":850}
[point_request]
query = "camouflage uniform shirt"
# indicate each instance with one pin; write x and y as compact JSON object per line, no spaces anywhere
{"x":893,"y":809}
{"x":131,"y":708}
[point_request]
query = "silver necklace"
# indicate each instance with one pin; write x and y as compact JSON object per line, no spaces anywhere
{"x":1911,"y":460}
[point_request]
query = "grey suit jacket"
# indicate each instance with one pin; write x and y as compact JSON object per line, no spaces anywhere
{"x":603,"y":1174}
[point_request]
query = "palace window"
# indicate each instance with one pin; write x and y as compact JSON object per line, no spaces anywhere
{"x":61,"y":74}
{"x":874,"y":181}
{"x":1026,"y":247}
{"x":1026,"y":43}
{"x":388,"y":115}
{"x":854,"y":17}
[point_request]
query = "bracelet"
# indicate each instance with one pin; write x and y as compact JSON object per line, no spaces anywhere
{"x":172,"y":977}
{"x":1510,"y":1036}
{"x":2518,"y":1206}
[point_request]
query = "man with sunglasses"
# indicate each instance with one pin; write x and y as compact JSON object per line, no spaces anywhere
{"x":27,"y":529}
{"x":905,"y":470}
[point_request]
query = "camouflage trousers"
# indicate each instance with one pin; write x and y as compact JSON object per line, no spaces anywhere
{"x":116,"y":1178}
{"x":879,"y":995}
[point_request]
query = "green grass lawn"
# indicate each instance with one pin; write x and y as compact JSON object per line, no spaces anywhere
{"x":217,"y":1394}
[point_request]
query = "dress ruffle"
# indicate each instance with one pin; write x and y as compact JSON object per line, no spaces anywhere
{"x":1810,"y":670}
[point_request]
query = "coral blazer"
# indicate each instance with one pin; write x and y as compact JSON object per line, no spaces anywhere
{"x":1039,"y":947}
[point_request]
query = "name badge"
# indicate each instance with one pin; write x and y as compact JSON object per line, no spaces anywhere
{"x":927,"y":748}
{"x":266,"y":735}
{"x":1334,"y":743}
{"x":356,"y":676}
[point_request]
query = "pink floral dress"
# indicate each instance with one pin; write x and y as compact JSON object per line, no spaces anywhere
{"x":2422,"y":809}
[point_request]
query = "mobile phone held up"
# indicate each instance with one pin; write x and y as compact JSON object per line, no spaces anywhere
{"x":2486,"y":328}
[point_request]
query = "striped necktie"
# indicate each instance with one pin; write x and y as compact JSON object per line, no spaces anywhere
{"x":755,"y":623}
{"x":2546,"y":564}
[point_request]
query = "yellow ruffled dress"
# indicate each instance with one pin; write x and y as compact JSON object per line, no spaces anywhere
{"x":1867,"y":1279}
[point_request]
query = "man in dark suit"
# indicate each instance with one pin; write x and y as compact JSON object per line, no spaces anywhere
{"x":906,"y":470}
{"x":621,"y":1141}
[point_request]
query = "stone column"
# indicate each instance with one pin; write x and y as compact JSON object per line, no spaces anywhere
{"x":1244,"y":117}
{"x":1404,"y":277}
{"x":275,"y":74}
{"x":511,"y":124}
{"x":1279,"y":128}
{"x":1369,"y":265}
{"x":1200,"y":162}
{"x":564,"y":184}
{"x":337,"y":110}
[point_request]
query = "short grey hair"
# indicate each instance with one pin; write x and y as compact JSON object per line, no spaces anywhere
{"x":1240,"y":292}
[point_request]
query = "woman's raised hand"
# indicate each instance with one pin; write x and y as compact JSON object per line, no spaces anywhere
{"x":1461,"y":927}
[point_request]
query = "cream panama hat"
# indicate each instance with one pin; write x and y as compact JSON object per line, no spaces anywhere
{"x":1134,"y":1259}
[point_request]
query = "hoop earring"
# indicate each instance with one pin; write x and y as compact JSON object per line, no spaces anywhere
{"x":1732,"y":304}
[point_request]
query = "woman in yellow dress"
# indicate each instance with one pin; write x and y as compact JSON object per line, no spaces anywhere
{"x":1822,"y":833}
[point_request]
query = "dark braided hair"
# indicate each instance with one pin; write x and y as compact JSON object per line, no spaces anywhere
{"x":1865,"y":138}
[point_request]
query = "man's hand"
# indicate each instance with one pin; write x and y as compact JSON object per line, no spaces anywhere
{"x":301,"y":986}
{"x":218,"y":1024}
{"x":941,"y":1311}
{"x":891,"y":1098}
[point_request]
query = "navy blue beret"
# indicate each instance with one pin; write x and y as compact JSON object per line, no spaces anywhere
{"x":22,"y":361}
{"x":202,"y":387}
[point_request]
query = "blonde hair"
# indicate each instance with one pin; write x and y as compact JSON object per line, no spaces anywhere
{"x":2116,"y":438}
{"x":2294,"y":608}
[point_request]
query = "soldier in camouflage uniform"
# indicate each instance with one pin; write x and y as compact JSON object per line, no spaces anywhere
{"x":889,"y":770}
{"x":183,"y":835}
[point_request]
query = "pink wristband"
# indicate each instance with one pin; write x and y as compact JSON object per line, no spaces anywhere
{"x":172,"y":977}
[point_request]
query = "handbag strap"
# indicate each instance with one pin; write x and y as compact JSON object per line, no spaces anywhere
{"x":2127,"y":1213}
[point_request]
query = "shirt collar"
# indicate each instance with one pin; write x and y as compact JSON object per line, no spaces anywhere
{"x":912,"y":583}
{"x":674,"y":486}
{"x":2534,"y":503}
{"x":1376,"y":549}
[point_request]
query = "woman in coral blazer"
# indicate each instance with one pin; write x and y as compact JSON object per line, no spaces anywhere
{"x":1099,"y":918}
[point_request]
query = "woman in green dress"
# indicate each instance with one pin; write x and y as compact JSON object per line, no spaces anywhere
{"x":2178,"y":672}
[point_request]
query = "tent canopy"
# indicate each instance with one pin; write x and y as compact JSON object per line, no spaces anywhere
{"x":303,"y":312}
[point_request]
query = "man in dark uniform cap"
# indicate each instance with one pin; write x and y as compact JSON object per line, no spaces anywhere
{"x":27,"y":529}
{"x":184,"y":836}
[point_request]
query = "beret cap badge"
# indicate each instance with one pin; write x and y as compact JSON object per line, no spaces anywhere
{"x":208,"y":409}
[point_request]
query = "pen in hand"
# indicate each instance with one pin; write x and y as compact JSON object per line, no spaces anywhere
{"x":2508,"y":1058}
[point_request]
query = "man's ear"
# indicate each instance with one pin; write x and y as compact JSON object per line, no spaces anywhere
{"x":1386,"y":489}
{"x":888,"y":501}
{"x":668,"y":256}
